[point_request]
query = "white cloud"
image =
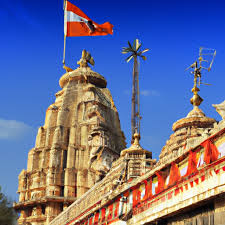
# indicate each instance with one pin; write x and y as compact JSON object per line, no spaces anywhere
{"x":127,"y":92}
{"x":149,"y":93}
{"x":144,"y":93}
{"x":12,"y":129}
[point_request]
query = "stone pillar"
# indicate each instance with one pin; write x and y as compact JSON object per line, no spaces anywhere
{"x":58,"y":136}
{"x":219,"y":205}
{"x":38,"y":138}
{"x":47,"y":140}
{"x":52,"y":210}
{"x":84,"y":136}
{"x":69,"y":183}
{"x":81,"y":182}
{"x":53,"y":183}
{"x":70,"y":172}
{"x":30,"y":161}
{"x":42,"y":159}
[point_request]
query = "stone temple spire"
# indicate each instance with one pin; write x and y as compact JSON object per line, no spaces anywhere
{"x":139,"y":160}
{"x":75,"y":147}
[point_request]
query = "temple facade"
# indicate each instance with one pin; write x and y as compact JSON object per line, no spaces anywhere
{"x":81,"y":173}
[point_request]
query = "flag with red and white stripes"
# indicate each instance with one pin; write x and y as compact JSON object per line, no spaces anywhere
{"x":76,"y":23}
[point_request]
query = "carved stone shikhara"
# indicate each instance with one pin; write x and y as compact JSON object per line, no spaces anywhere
{"x":187,"y":129}
{"x":74,"y":149}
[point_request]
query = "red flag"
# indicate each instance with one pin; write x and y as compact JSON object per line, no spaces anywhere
{"x":76,"y":23}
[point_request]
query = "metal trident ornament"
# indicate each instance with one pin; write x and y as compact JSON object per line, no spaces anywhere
{"x":204,"y":62}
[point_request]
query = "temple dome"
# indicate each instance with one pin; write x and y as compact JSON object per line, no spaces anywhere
{"x":83,"y":74}
{"x":195,"y":118}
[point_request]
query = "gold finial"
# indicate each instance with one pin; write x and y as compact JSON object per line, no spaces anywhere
{"x":85,"y":59}
{"x":137,"y":138}
{"x":206,"y":55}
{"x":196,"y":100}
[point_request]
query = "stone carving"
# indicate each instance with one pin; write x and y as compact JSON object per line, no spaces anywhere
{"x":101,"y":157}
{"x":85,"y":59}
{"x":186,"y":130}
{"x":220,"y":108}
{"x":34,"y":211}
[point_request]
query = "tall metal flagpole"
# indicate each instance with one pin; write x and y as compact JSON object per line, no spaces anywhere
{"x":65,"y":30}
{"x":138,"y":99}
{"x":64,"y":50}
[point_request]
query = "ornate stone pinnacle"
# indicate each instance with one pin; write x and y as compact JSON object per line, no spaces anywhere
{"x":85,"y":59}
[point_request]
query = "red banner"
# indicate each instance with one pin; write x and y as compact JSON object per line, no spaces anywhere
{"x":110,"y":215}
{"x":192,"y":163}
{"x":174,"y":174}
{"x":136,"y":195}
{"x":161,"y":182}
{"x":211,"y":152}
{"x":148,"y":188}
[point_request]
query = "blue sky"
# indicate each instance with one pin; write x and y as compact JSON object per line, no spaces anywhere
{"x":31,"y":46}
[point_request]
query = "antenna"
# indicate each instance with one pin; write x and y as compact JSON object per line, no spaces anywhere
{"x":206,"y":55}
{"x":204,"y":62}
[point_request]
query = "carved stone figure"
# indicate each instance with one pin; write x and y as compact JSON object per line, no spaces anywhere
{"x":220,"y":108}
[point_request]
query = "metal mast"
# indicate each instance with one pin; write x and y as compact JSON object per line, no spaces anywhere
{"x":135,"y":114}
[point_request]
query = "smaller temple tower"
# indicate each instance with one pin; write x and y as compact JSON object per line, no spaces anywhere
{"x":195,"y":124}
{"x":139,"y":161}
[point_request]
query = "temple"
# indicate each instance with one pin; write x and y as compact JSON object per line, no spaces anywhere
{"x":81,"y":173}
